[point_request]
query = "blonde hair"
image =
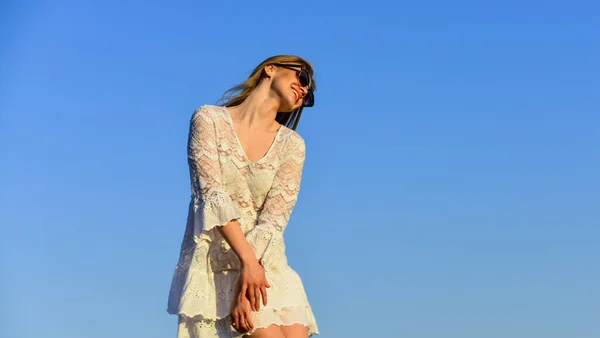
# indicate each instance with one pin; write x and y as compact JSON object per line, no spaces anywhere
{"x":236,"y":95}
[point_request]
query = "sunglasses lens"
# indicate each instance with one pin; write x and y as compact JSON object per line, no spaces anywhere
{"x":304,"y":78}
{"x":309,"y":99}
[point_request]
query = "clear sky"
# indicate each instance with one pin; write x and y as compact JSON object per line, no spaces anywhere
{"x":451,"y":188}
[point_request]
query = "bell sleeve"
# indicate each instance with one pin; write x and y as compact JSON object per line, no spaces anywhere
{"x":211,"y":205}
{"x":280,"y":201}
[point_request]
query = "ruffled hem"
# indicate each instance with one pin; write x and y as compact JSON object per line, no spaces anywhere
{"x":200,"y":327}
{"x":197,"y":294}
{"x":215,"y":211}
{"x":201,"y":295}
{"x":285,"y":317}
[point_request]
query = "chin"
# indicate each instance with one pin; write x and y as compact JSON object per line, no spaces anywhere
{"x":295,"y":107}
{"x":289,"y":103}
{"x":291,"y":106}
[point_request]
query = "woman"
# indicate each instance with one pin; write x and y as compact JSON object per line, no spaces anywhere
{"x":246,"y":162}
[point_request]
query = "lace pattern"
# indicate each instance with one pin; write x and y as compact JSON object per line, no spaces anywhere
{"x":211,"y":204}
{"x":200,"y":327}
{"x":261,"y":195}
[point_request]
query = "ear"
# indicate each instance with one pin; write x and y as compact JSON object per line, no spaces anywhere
{"x":270,"y":70}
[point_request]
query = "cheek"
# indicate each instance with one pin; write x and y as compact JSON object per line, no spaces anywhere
{"x":281,"y":86}
{"x":285,"y":80}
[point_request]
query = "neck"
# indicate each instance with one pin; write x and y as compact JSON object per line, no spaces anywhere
{"x":258,"y":111}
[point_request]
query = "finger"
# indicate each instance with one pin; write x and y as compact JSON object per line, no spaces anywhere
{"x":251,"y":297}
{"x":247,"y":319}
{"x":263,"y":292}
{"x":249,"y":322}
{"x":243,"y":291}
{"x":242,"y":327}
{"x":257,"y":294}
{"x":249,"y":325}
{"x":236,"y":321}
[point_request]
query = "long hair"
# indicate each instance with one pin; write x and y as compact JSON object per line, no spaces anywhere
{"x":236,"y":95}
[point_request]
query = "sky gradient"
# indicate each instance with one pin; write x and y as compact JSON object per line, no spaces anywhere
{"x":451,"y":186}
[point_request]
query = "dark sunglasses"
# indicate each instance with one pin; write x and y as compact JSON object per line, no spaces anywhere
{"x":305,"y":81}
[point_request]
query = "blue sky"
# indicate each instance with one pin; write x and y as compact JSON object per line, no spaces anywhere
{"x":451,"y":187}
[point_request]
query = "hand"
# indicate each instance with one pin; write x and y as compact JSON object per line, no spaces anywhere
{"x":253,"y":283}
{"x":241,"y":315}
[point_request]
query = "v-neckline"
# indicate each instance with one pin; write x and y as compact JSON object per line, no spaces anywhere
{"x":239,"y":143}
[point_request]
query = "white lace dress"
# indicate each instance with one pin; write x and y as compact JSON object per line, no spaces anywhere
{"x":261,"y":196}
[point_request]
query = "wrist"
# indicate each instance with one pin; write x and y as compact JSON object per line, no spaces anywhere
{"x":249,"y":260}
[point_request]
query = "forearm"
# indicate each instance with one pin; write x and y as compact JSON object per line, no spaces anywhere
{"x":235,"y":237}
{"x":253,"y":282}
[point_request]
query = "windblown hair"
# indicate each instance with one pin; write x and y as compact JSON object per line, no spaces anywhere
{"x":239,"y":93}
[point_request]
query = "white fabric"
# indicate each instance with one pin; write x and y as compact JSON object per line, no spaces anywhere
{"x":261,"y":196}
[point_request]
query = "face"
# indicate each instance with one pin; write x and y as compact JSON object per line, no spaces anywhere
{"x":287,"y":85}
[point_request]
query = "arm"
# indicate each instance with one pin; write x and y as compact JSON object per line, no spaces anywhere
{"x":235,"y":237}
{"x":214,"y":208}
{"x":212,"y":205}
{"x":211,"y":202}
{"x":280,"y":201}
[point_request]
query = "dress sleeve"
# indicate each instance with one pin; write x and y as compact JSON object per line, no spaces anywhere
{"x":280,"y":201}
{"x":211,"y":205}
